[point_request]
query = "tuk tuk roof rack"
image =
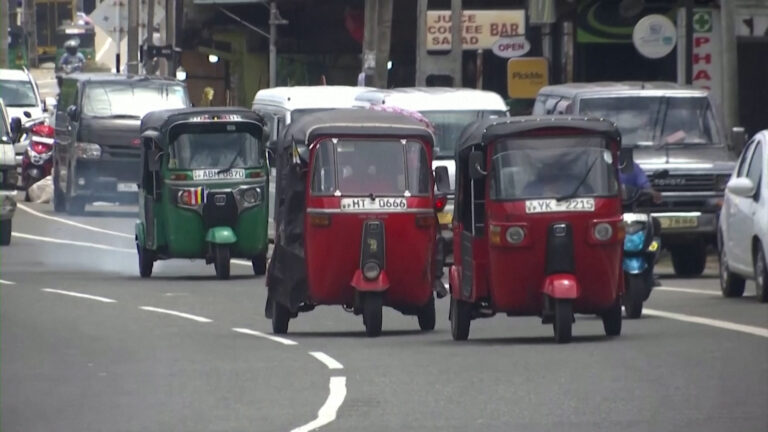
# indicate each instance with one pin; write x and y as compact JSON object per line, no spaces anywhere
{"x":354,"y":121}
{"x":163,"y":120}
{"x":482,"y":131}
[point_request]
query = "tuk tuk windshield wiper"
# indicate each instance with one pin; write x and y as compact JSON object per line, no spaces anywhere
{"x":231,"y":163}
{"x":581,"y":182}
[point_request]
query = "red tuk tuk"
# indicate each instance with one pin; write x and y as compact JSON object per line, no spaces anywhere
{"x":355,"y":219}
{"x":537,"y":223}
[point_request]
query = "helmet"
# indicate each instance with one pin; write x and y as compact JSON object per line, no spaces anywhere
{"x":71,"y":46}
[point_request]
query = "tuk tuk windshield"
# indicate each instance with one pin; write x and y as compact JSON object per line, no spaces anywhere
{"x":552,"y":167}
{"x":364,"y":167}
{"x":220,"y":146}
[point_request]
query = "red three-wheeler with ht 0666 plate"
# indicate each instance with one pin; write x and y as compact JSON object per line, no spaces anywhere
{"x":355,"y":222}
{"x":537,"y":223}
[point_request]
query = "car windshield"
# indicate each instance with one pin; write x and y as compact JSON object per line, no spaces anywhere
{"x":530,"y":168}
{"x":449,"y":125}
{"x":219,"y":146}
{"x":357,"y":167}
{"x":18,"y":93}
{"x":131,"y":99}
{"x":656,"y":120}
{"x":5,"y":134}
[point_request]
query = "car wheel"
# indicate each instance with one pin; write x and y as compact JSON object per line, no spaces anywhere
{"x":427,"y":316}
{"x":761,"y":274}
{"x":731,"y":284}
{"x":689,"y":260}
{"x":6,"y":228}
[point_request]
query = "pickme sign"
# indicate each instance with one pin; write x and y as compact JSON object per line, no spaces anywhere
{"x":479,"y":29}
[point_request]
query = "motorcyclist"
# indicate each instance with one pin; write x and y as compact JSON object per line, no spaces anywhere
{"x":72,"y":60}
{"x":630,"y":174}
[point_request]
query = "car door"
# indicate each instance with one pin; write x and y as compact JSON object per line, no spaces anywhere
{"x":741,"y":212}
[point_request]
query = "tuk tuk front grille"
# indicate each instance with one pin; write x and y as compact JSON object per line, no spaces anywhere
{"x":220,"y":209}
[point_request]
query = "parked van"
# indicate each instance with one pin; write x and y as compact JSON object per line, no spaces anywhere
{"x":669,"y":127}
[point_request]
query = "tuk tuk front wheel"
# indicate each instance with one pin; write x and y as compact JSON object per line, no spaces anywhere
{"x":373,"y":303}
{"x":461,"y":317}
{"x":612,"y":319}
{"x":221,"y":261}
{"x":259,"y":264}
{"x":146,"y":261}
{"x":563,"y":322}
{"x":427,"y":316}
{"x":633,"y":302}
{"x":280,"y":318}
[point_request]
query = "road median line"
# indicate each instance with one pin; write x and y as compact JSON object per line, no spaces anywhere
{"x":81,"y":295}
{"x":688,"y":290}
{"x":71,"y":242}
{"x":277,"y":339}
{"x":726,"y":325}
{"x":73,"y":223}
{"x":6,"y":282}
{"x":176,"y":313}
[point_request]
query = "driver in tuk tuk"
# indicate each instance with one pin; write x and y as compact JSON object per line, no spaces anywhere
{"x":553,"y":179}
{"x":218,"y":152}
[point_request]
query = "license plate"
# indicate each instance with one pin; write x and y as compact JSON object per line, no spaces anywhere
{"x":668,"y":222}
{"x":377,"y":204}
{"x":445,"y":217}
{"x":555,"y":206}
{"x":127,"y":187}
{"x":212,"y":174}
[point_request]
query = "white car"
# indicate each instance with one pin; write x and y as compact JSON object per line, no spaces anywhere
{"x":22,"y":99}
{"x":744,"y":222}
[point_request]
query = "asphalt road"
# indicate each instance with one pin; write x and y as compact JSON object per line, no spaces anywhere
{"x":124,"y":359}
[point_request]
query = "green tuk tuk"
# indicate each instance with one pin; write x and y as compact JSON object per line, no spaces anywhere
{"x":203,"y":188}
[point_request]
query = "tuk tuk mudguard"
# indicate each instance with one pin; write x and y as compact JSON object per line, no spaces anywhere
{"x":221,"y":235}
{"x":379,"y":284}
{"x":561,"y":286}
{"x":140,"y":234}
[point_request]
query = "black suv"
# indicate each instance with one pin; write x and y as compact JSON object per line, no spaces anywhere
{"x":96,"y":156}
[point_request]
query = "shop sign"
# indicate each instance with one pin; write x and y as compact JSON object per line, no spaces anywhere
{"x":654,"y":36}
{"x":526,"y":76}
{"x":479,"y":29}
{"x":705,"y":55}
{"x":511,"y":47}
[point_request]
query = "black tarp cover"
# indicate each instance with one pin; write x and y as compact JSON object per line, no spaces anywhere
{"x":287,"y":274}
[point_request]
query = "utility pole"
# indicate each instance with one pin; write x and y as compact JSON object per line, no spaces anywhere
{"x":448,"y":65}
{"x":132,"y":66}
{"x":150,"y":65}
{"x":170,"y":34}
{"x":4,"y":23}
{"x":369,"y":41}
{"x":30,"y":28}
{"x":730,"y":75}
{"x":383,"y":40}
{"x":274,"y":20}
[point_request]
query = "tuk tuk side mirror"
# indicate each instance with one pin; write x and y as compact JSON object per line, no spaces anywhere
{"x":303,"y":152}
{"x":442,"y":179}
{"x":738,"y":139}
{"x":15,"y":128}
{"x":477,"y":165}
{"x":72,"y":112}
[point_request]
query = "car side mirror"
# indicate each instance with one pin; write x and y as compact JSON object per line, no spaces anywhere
{"x":15,"y":128}
{"x":741,"y":186}
{"x":49,"y":104}
{"x":442,"y":179}
{"x":738,"y":139}
{"x":72,"y":112}
{"x":477,"y":165}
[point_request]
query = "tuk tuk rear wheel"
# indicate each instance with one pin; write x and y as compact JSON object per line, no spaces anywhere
{"x":280,"y":318}
{"x":221,"y":261}
{"x":373,"y":303}
{"x":427,"y":316}
{"x":146,"y":261}
{"x":461,"y":318}
{"x":612,"y":319}
{"x":633,"y":301}
{"x":563,"y":322}
{"x":259,"y":264}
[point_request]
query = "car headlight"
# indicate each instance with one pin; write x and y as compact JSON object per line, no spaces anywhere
{"x":634,"y":242}
{"x":515,"y":235}
{"x":371,"y":270}
{"x":87,"y":150}
{"x":603,"y":231}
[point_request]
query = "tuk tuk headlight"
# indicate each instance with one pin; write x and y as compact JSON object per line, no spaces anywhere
{"x":603,"y":231}
{"x":515,"y":235}
{"x":371,"y":270}
{"x":85,"y":150}
{"x":251,"y":196}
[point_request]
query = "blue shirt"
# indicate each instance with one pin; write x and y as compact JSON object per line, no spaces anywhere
{"x":636,"y":178}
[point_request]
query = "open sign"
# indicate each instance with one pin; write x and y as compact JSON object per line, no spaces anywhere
{"x":511,"y":47}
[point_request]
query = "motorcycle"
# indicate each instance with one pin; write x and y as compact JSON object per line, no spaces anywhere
{"x":642,"y":245}
{"x":37,"y":162}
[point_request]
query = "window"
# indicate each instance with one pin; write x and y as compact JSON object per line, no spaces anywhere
{"x":215,"y":146}
{"x":743,"y":165}
{"x":18,"y":93}
{"x":126,"y":99}
{"x":756,"y":164}
{"x":324,"y":172}
{"x":418,"y":169}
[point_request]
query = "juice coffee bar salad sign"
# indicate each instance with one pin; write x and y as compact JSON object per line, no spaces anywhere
{"x":480,"y":29}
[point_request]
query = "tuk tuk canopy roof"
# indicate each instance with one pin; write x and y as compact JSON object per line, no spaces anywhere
{"x":162,"y":120}
{"x":354,"y":121}
{"x":486,"y":130}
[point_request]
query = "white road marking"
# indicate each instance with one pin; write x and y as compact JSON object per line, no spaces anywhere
{"x":76,"y":294}
{"x":727,"y":325}
{"x":327,"y":413}
{"x":72,"y":242}
{"x":175,"y":313}
{"x":688,"y":290}
{"x":277,"y":339}
{"x":327,"y":360}
{"x":73,"y":223}
{"x":5,"y":282}
{"x":241,"y":262}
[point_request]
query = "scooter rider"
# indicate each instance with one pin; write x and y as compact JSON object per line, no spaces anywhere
{"x":72,"y":60}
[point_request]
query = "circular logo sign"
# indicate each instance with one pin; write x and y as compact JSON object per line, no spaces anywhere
{"x":511,"y":47}
{"x":654,"y":36}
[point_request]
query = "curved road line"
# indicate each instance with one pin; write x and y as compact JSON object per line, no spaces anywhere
{"x":327,"y":360}
{"x":277,"y":339}
{"x":176,"y":313}
{"x":327,"y":413}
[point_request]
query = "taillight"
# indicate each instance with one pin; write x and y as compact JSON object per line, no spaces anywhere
{"x":320,"y":220}
{"x":440,"y":202}
{"x":179,"y":176}
{"x":43,"y":130}
{"x":425,"y":220}
{"x":39,"y":147}
{"x":255,"y":174}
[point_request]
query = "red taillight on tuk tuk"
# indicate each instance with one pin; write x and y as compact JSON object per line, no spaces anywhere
{"x":425,"y":220}
{"x":320,"y":220}
{"x":255,"y":174}
{"x":440,"y":202}
{"x":180,"y":176}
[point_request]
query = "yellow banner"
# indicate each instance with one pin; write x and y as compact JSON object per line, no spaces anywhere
{"x":479,"y":29}
{"x":526,"y":76}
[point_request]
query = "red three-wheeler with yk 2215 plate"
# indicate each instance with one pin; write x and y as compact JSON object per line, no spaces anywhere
{"x":537,"y":223}
{"x":355,"y":221}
